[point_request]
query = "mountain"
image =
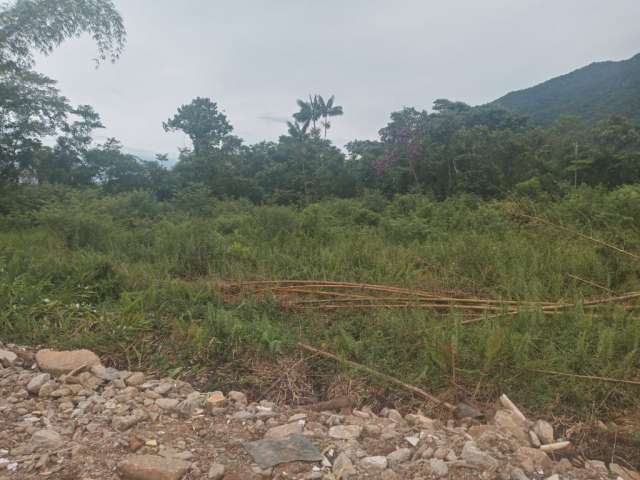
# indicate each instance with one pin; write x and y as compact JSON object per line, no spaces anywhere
{"x":592,"y":93}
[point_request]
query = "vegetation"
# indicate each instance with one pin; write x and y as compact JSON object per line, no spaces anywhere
{"x":591,"y":93}
{"x":102,"y":250}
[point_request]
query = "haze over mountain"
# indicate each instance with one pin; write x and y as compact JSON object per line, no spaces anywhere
{"x":592,"y":93}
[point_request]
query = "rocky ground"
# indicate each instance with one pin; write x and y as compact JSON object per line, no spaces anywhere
{"x":63,"y":415}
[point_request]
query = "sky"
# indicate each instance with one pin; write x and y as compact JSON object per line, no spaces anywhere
{"x":256,"y":57}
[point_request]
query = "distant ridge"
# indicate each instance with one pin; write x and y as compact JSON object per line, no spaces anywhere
{"x":592,"y":93}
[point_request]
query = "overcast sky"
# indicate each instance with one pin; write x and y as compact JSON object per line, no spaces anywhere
{"x":254,"y":58}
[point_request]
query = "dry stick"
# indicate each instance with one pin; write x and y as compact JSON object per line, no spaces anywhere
{"x":407,"y":305}
{"x":411,"y":388}
{"x":580,"y":234}
{"x":588,"y":282}
{"x":586,"y":377}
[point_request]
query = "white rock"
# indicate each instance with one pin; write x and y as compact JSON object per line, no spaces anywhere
{"x":238,"y":397}
{"x":345,"y":432}
{"x":374,"y":463}
{"x":167,"y":403}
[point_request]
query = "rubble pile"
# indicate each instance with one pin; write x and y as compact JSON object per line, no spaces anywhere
{"x":65,"y":415}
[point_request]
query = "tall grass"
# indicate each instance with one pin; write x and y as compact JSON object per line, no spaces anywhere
{"x":135,"y":279}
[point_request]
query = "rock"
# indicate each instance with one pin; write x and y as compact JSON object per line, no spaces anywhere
{"x":419,"y":420}
{"x":191,"y":404}
{"x":623,"y":473}
{"x":36,"y":383}
{"x":439,"y":468}
{"x":509,"y":422}
{"x":597,"y":466}
{"x":7,"y":358}
{"x":283,"y":431}
{"x":135,"y":379}
{"x":342,"y":467}
{"x":46,"y":439}
{"x":108,"y":374}
{"x":167,"y":403}
{"x":238,"y":397}
{"x":472,"y":454}
{"x":125,"y":422}
{"x":544,"y":431}
{"x":345,"y":432}
{"x":58,"y":363}
{"x":518,"y":474}
{"x":532,"y":459}
{"x":533,"y":437}
{"x":216,"y":472}
{"x":401,"y":455}
{"x":268,"y":453}
{"x":464,"y":410}
{"x":152,"y":467}
{"x":394,"y":416}
{"x":374,"y":463}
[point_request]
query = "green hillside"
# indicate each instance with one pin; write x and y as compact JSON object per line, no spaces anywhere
{"x":592,"y":93}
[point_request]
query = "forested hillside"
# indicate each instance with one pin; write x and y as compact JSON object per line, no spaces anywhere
{"x":591,"y":93}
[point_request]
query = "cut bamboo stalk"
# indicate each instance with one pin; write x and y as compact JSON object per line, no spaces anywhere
{"x":586,"y":377}
{"x":508,"y":404}
{"x":411,"y":388}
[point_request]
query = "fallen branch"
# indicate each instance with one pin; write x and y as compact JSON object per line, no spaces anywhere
{"x":589,"y":282}
{"x":580,"y":234}
{"x":412,"y":388}
{"x":585,"y":377}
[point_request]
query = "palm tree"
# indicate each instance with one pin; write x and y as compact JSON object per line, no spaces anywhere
{"x":327,"y":109}
{"x":297,"y":130}
{"x":309,"y":112}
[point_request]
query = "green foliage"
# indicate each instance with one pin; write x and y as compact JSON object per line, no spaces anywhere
{"x":133,"y":277}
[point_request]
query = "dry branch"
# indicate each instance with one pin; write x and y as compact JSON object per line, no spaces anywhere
{"x":411,"y":388}
{"x":586,"y":377}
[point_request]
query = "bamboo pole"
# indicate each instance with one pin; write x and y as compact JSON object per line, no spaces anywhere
{"x":411,"y":388}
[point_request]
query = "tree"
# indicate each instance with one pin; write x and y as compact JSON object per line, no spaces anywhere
{"x":31,"y":107}
{"x":201,"y":121}
{"x":328,"y":109}
{"x":309,"y":113}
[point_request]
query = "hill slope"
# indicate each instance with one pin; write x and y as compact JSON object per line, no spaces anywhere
{"x":593,"y":92}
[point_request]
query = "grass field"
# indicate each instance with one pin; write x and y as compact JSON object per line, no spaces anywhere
{"x":138,"y":281}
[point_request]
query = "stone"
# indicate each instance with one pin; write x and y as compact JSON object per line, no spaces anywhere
{"x":342,"y":467}
{"x":533,"y":437}
{"x":464,"y":410}
{"x":7,"y":358}
{"x":105,"y":373}
{"x":238,"y":397}
{"x":518,"y":474}
{"x":597,"y":466}
{"x":283,"y":431}
{"x":420,"y":420}
{"x":544,"y":431}
{"x":269,"y":452}
{"x":509,"y":422}
{"x":439,"y":467}
{"x":473,"y":455}
{"x":394,"y":416}
{"x":215,"y":400}
{"x":216,"y":472}
{"x":399,"y":456}
{"x":36,"y":383}
{"x":125,"y":422}
{"x":60,"y":362}
{"x":191,"y":404}
{"x":374,"y":463}
{"x":167,"y":403}
{"x":46,"y":439}
{"x":532,"y":459}
{"x":135,"y":379}
{"x":152,"y":467}
{"x":345,"y":432}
